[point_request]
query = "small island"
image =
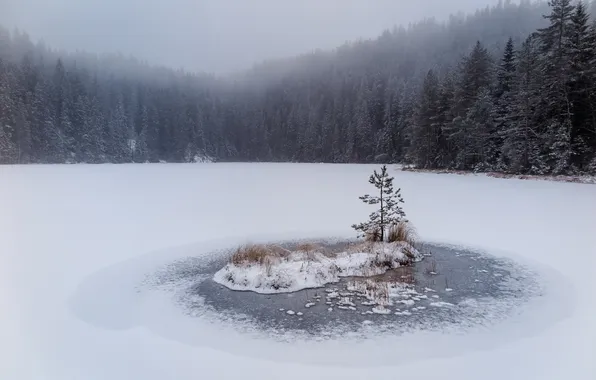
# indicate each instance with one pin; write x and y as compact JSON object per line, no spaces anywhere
{"x":387,"y":241}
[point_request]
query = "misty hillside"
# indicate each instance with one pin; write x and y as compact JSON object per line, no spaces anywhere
{"x":439,"y":95}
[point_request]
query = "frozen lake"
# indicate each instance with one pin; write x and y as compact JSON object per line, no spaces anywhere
{"x":465,"y":289}
{"x":71,"y":231}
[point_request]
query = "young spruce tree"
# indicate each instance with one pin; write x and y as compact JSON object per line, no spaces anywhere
{"x":389,"y":212}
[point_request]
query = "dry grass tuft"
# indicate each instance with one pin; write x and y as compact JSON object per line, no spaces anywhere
{"x":307,"y":247}
{"x":312,"y":251}
{"x":402,"y":232}
{"x":257,"y":254}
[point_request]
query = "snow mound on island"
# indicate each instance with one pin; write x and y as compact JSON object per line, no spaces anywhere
{"x":305,"y":270}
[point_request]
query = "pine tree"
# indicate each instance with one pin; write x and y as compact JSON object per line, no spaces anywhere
{"x":503,"y":101}
{"x":7,"y":98}
{"x":582,"y":82}
{"x":522,"y":150}
{"x":118,"y":134}
{"x":506,"y":70}
{"x":8,"y":149}
{"x":484,"y":140}
{"x":425,"y":132}
{"x":476,"y":75}
{"x":91,"y":145}
{"x":22,"y":133}
{"x":142,"y":146}
{"x":445,"y":110}
{"x":389,"y":212}
{"x":556,"y":68}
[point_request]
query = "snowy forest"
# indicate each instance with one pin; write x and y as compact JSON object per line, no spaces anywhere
{"x":510,"y":88}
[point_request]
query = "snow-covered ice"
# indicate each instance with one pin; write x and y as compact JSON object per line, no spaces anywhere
{"x":76,"y":240}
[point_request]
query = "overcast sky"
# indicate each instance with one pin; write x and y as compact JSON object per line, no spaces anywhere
{"x":214,"y":35}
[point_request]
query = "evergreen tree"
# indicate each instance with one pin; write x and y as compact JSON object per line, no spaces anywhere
{"x":476,"y":76}
{"x":506,"y":70}
{"x":445,"y":114}
{"x":581,"y":87}
{"x":556,"y":68}
{"x":465,"y":134}
{"x":8,"y":150}
{"x":117,"y":134}
{"x":482,"y":151}
{"x":425,"y":133}
{"x":502,"y":106}
{"x":522,"y":147}
{"x":389,"y":212}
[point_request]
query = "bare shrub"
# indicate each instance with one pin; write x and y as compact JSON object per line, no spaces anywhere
{"x":402,"y":232}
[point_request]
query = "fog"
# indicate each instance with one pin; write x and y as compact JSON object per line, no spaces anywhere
{"x":217,"y":36}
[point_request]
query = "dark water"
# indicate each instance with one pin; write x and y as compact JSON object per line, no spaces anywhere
{"x":446,"y":275}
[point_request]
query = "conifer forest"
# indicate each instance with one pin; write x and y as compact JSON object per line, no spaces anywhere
{"x":510,"y":88}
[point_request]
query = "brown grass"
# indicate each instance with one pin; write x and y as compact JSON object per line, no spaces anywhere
{"x":402,"y":232}
{"x":257,"y":254}
{"x":312,"y":249}
{"x":307,"y":247}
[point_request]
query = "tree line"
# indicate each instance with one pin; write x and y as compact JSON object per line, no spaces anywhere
{"x":503,"y":89}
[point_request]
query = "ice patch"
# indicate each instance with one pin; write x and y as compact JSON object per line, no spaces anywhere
{"x":441,"y":304}
{"x":381,"y":310}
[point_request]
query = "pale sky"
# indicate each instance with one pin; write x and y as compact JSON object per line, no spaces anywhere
{"x":214,"y":35}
